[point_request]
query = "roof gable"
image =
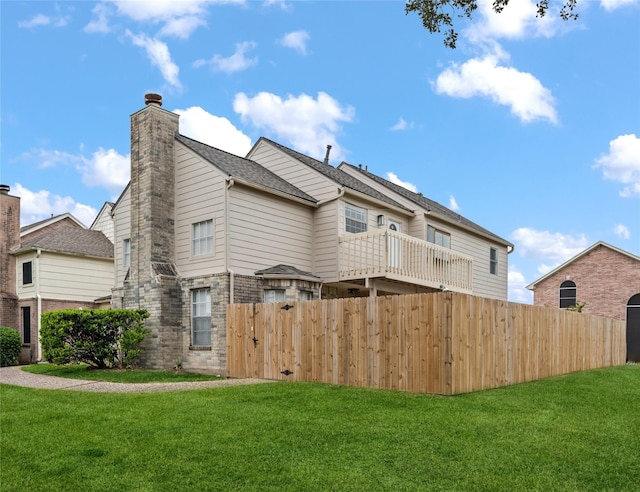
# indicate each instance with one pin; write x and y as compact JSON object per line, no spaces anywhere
{"x":429,"y":205}
{"x":70,"y":240}
{"x":336,"y":175}
{"x":65,"y":219}
{"x":244,"y":169}
{"x":580,"y":255}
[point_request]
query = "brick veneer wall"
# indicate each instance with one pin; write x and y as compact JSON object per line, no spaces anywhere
{"x":9,"y":239}
{"x":605,"y":279}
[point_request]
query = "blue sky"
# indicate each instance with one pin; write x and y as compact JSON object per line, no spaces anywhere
{"x":531,"y":128}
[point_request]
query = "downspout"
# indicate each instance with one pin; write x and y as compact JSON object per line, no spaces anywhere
{"x":39,"y":301}
{"x":230,"y":183}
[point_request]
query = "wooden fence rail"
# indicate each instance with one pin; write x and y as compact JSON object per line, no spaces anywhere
{"x":441,"y":343}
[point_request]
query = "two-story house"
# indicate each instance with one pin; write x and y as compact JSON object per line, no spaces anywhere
{"x":198,"y":228}
{"x":52,"y":264}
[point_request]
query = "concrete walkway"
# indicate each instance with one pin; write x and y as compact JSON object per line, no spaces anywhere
{"x":15,"y":376}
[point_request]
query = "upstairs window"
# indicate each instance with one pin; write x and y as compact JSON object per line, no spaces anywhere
{"x":201,"y":317}
{"x":493,"y":261}
{"x":126,"y":253}
{"x":436,"y":236}
{"x":202,"y":238}
{"x":567,"y":294}
{"x":27,"y":273}
{"x":356,"y":219}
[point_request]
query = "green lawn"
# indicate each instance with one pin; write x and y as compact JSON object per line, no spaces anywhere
{"x":578,"y":432}
{"x":82,"y":371}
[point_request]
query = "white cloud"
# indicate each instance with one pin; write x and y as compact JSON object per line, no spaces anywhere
{"x":107,"y":169}
{"x":405,"y":184}
{"x":622,"y":163}
{"x":518,"y":291}
{"x":44,"y":20}
{"x":234,"y":63}
{"x":45,"y":158}
{"x":296,"y":40}
{"x":309,"y":124}
{"x":402,"y":124}
{"x":100,"y":23}
{"x":40,"y":205}
{"x":524,"y":94}
{"x":453,"y":204}
{"x":158,"y":53}
{"x":545,"y":245}
{"x":182,"y":27}
{"x":622,"y":231}
{"x":611,"y":5}
{"x":213,"y":130}
{"x":517,"y":21}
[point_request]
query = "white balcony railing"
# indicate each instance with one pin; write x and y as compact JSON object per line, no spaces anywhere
{"x":405,"y":258}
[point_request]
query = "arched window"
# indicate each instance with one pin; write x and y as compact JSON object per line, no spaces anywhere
{"x":567,"y":294}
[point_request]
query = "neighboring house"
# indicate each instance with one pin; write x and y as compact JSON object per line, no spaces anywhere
{"x":52,"y":264}
{"x":605,"y":280}
{"x":198,"y":228}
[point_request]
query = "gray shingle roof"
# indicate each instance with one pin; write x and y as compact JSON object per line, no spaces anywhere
{"x":73,"y":240}
{"x":244,"y":169}
{"x":337,"y":175}
{"x":428,"y":204}
{"x":285,"y":270}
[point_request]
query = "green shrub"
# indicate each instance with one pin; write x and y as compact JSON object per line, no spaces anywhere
{"x":101,"y":338}
{"x":10,"y":346}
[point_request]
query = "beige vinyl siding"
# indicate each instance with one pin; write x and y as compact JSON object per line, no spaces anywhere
{"x":265,"y":230}
{"x":200,"y":195}
{"x":74,"y":278}
{"x":121,"y":231}
{"x":28,"y":290}
{"x":104,"y":223}
{"x":300,"y":175}
{"x":485,"y":284}
{"x":325,"y":242}
{"x":372,"y":215}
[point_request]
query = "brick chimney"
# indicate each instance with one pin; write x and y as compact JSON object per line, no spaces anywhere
{"x":9,"y":240}
{"x":153,"y":282}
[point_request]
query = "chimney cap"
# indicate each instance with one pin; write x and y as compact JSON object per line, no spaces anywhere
{"x":152,"y":98}
{"x":4,"y":189}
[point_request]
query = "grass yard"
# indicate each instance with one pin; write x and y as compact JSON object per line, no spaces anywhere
{"x":578,"y":432}
{"x":84,"y":372}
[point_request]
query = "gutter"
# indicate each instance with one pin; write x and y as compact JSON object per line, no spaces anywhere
{"x":230,"y":183}
{"x":39,"y":301}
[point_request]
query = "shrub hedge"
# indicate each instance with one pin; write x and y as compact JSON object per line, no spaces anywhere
{"x":102,"y":338}
{"x":10,"y":346}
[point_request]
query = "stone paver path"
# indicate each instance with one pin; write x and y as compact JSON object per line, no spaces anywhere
{"x":14,"y":375}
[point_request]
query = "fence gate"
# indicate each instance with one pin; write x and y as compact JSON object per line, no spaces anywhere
{"x":263,"y":341}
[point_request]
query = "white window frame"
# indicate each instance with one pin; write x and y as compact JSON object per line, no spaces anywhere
{"x":273,"y":295}
{"x":126,"y":253}
{"x":439,"y":237}
{"x":201,"y":317}
{"x":493,"y":261}
{"x":356,"y":219}
{"x":202,"y":238}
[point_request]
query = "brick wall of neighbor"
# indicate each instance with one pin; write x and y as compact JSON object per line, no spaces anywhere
{"x":605,"y":280}
{"x":9,"y":239}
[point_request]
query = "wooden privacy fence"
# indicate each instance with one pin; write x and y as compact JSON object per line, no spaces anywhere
{"x":441,"y":343}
